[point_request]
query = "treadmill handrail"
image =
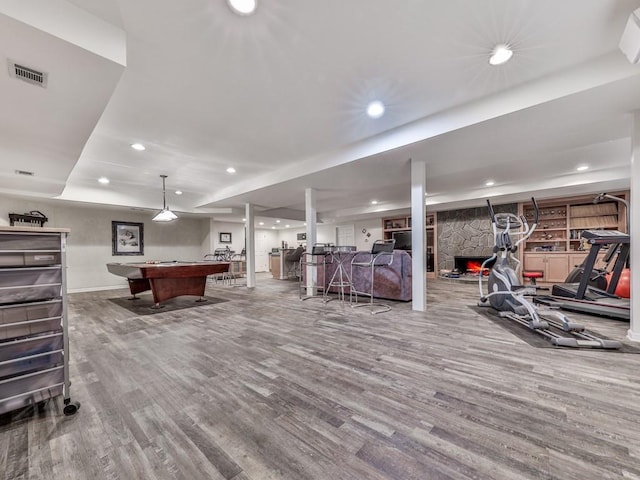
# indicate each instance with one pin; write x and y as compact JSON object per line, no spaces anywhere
{"x":605,"y":237}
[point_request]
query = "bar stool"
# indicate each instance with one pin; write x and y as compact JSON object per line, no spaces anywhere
{"x":316,"y":261}
{"x":381,"y":255}
{"x":292,"y":262}
{"x":532,"y":275}
{"x":341,"y":279}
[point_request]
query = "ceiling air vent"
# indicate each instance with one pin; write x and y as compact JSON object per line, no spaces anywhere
{"x":27,"y":74}
{"x":24,"y":172}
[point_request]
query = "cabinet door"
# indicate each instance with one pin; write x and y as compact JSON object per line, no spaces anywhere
{"x":557,"y":268}
{"x":535,"y":261}
{"x":576,"y":259}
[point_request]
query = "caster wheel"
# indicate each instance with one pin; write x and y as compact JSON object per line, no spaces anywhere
{"x":71,"y":408}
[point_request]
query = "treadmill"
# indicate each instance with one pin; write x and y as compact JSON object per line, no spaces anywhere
{"x":582,"y":297}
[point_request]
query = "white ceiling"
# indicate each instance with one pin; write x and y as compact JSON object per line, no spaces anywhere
{"x":281,"y":95}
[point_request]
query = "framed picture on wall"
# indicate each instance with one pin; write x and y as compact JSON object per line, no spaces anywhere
{"x":225,"y":237}
{"x":127,"y":238}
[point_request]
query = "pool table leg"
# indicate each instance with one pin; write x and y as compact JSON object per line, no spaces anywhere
{"x":166,"y":288}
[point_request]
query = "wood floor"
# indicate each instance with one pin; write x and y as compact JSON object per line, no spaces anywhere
{"x":265,"y":386}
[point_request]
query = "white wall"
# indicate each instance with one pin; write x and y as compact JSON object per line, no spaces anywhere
{"x":89,"y":243}
{"x":266,"y":239}
{"x":237,"y":236}
{"x":372,"y":226}
{"x":325,"y":234}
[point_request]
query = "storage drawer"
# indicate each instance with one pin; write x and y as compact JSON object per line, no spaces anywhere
{"x":25,"y":241}
{"x":29,"y":284}
{"x":29,"y":294}
{"x":30,"y":327}
{"x":25,"y":347}
{"x":20,"y":259}
{"x":31,"y":388}
{"x":16,"y":277}
{"x":21,"y":365}
{"x":30,"y":311}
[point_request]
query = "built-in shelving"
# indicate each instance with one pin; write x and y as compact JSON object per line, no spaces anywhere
{"x":402,"y":223}
{"x":556,"y":245}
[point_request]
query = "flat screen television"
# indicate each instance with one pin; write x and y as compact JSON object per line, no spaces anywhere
{"x":403,"y":240}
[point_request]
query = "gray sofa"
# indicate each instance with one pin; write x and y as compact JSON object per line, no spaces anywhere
{"x":391,"y":282}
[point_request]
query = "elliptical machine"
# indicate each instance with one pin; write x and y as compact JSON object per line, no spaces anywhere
{"x":507,"y":296}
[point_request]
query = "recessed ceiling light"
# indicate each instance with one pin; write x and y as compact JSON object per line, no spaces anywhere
{"x":273,"y":226}
{"x":375,"y":109}
{"x":103,"y":180}
{"x":138,"y":146}
{"x":244,"y":219}
{"x":277,"y":221}
{"x":178,"y":192}
{"x":305,"y":224}
{"x":582,"y":168}
{"x":243,"y":7}
{"x":287,"y":226}
{"x":500,"y":54}
{"x":231,"y":170}
{"x":489,"y":183}
{"x":374,"y":202}
{"x":261,"y":223}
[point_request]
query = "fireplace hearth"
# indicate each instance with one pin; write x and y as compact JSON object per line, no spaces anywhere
{"x":471,"y":265}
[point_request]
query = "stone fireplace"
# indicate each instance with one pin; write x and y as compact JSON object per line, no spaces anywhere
{"x":471,"y":265}
{"x":466,"y":233}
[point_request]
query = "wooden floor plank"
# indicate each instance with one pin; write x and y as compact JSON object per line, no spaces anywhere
{"x":265,"y":386}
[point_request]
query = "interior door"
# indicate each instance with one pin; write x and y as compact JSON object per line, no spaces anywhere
{"x":263,"y":247}
{"x":345,"y":235}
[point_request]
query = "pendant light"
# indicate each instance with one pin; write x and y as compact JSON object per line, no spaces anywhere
{"x":164,"y":215}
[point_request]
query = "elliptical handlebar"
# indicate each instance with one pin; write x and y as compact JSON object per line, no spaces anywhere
{"x":492,"y":214}
{"x":529,"y":231}
{"x":536,"y":212}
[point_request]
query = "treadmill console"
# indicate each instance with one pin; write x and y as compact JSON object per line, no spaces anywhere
{"x":603,"y":237}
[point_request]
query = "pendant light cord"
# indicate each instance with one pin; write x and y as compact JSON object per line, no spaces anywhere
{"x":164,"y":198}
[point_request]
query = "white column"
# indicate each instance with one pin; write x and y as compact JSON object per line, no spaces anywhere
{"x":311,"y":274}
{"x":418,"y":235}
{"x":251,"y":245}
{"x":634,"y":230}
{"x":212,"y":235}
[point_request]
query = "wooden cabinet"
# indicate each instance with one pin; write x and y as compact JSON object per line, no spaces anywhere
{"x":393,"y":227}
{"x":555,"y":266}
{"x":275,"y":264}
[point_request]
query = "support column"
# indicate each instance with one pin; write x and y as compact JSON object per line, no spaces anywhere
{"x":418,"y":235}
{"x":634,"y":230}
{"x":311,"y":274}
{"x":250,"y":246}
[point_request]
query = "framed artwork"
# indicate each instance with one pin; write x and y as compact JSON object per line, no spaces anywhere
{"x":225,"y":237}
{"x":127,"y":238}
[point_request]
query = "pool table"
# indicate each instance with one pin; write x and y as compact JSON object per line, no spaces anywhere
{"x":168,"y":279}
